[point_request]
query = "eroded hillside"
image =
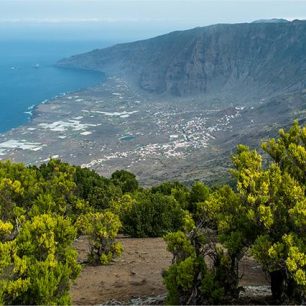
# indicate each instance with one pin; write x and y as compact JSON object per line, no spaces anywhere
{"x":241,"y":60}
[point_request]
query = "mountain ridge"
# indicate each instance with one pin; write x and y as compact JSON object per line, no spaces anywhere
{"x":242,"y":59}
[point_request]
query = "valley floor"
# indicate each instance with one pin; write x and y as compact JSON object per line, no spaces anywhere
{"x":113,"y":126}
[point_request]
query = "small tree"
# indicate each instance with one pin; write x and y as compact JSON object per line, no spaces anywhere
{"x":266,"y":215}
{"x":191,"y":280}
{"x":102,"y":229}
{"x":273,"y":200}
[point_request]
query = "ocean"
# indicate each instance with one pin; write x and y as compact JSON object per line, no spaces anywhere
{"x":28,"y":76}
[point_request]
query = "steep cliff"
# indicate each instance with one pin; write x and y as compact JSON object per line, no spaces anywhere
{"x":240,"y":59}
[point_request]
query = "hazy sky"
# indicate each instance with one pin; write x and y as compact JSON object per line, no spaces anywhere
{"x":135,"y":18}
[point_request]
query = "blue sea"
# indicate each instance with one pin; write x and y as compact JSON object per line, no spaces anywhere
{"x":28,"y":76}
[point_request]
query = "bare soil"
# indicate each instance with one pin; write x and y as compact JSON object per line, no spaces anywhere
{"x":137,"y":273}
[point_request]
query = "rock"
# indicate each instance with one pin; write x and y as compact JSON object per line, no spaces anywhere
{"x":255,"y":291}
{"x":138,"y":283}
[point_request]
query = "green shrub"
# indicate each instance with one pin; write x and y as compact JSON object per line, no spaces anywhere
{"x":189,"y":280}
{"x":125,"y":180}
{"x":152,"y":215}
{"x":39,"y":265}
{"x":102,"y":229}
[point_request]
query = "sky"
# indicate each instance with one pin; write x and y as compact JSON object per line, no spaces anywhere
{"x":132,"y":19}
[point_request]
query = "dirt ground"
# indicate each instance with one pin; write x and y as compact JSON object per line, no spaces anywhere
{"x":137,"y":273}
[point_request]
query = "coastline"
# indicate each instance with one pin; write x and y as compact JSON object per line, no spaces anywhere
{"x":111,"y":126}
{"x":26,"y":85}
{"x":32,"y":110}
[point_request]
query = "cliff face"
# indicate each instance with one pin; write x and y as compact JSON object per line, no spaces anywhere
{"x":249,"y":58}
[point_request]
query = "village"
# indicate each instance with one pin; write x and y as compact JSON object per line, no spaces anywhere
{"x":110,"y":126}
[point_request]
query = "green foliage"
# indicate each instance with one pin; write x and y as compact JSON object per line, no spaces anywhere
{"x":273,"y":201}
{"x":179,"y":280}
{"x":289,"y":151}
{"x":179,"y":245}
{"x":33,"y":191}
{"x":102,"y":229}
{"x":199,"y":193}
{"x":97,"y":190}
{"x":38,"y":207}
{"x":189,"y":280}
{"x":122,"y":207}
{"x":152,"y":215}
{"x":266,"y":215}
{"x":125,"y":180}
{"x":179,"y":191}
{"x":42,"y":207}
{"x":39,"y":265}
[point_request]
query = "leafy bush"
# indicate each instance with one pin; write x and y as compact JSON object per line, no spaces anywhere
{"x":39,"y":265}
{"x":189,"y":280}
{"x":125,"y":180}
{"x":97,"y":190}
{"x":102,"y":229}
{"x":274,"y":203}
{"x":38,"y":207}
{"x":199,"y":193}
{"x":176,"y":189}
{"x":152,"y":215}
{"x":266,"y":215}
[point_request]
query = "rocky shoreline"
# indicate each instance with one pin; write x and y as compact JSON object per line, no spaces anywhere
{"x":112,"y":126}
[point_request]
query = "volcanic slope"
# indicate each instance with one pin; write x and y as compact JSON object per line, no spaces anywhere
{"x":243,"y":61}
